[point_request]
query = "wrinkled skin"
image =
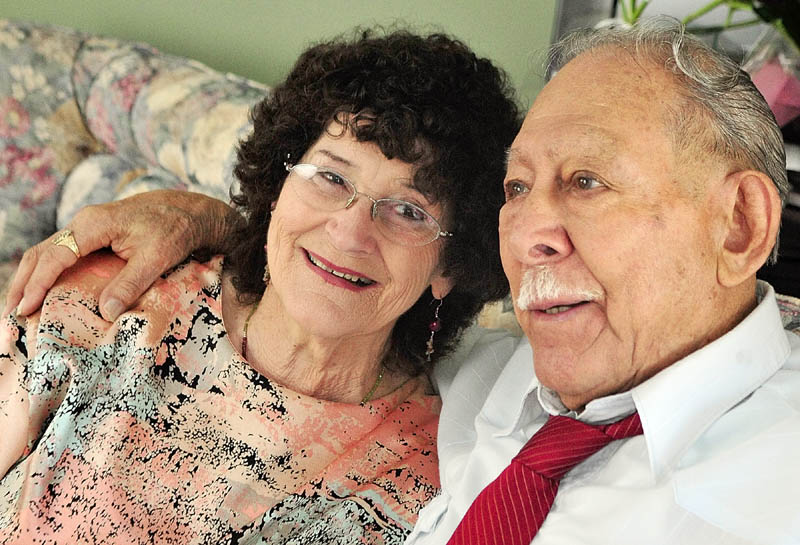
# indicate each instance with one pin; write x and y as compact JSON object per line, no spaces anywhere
{"x":152,"y":231}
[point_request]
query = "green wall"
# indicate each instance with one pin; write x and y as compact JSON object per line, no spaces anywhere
{"x":261,"y":39}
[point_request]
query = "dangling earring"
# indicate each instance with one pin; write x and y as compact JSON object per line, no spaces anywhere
{"x":286,"y":164}
{"x":266,"y":267}
{"x":434,"y":326}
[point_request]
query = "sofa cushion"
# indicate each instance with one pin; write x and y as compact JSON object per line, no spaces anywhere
{"x":85,"y":119}
{"x":42,"y":135}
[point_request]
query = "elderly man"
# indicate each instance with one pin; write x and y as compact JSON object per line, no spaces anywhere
{"x":643,"y":192}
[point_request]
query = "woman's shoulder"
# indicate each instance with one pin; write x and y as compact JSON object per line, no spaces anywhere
{"x":92,"y":273}
{"x":72,"y":304}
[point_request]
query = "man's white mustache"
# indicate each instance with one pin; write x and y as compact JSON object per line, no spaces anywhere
{"x":541,"y":284}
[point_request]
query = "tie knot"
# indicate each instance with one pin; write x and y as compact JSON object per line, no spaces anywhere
{"x":564,"y":442}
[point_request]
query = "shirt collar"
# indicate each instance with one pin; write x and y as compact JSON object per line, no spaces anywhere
{"x":679,"y":403}
{"x":599,"y":411}
{"x":517,"y":383}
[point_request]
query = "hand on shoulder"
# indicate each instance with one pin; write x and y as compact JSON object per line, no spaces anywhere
{"x":151,"y":232}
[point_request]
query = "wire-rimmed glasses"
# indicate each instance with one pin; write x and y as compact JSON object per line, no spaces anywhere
{"x":400,"y":221}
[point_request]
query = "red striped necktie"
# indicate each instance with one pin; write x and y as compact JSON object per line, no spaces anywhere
{"x":511,"y":509}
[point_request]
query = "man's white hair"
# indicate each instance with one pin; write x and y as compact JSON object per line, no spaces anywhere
{"x":541,"y":284}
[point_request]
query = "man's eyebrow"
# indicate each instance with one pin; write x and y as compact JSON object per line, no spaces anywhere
{"x":604,"y":145}
{"x":511,"y":155}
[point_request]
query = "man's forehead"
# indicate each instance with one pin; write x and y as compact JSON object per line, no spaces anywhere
{"x":596,"y":106}
{"x":604,"y":82}
{"x":569,"y":139}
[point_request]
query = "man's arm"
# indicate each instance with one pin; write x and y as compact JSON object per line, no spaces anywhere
{"x":152,"y":231}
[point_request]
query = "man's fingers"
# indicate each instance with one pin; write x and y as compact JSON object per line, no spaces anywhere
{"x":47,"y":262}
{"x":162,"y":225}
{"x":41,"y":265}
{"x":125,"y":288}
{"x":39,"y":268}
{"x":23,"y":272}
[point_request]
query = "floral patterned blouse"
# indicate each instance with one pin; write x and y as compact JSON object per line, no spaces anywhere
{"x":153,"y":429}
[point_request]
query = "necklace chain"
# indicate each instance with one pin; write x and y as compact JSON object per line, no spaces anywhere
{"x":374,"y":387}
{"x":364,"y":401}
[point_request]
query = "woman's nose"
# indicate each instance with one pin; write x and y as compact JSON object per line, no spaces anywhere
{"x":352,"y":229}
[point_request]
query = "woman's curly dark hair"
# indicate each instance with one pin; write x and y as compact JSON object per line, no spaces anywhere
{"x":427,"y":100}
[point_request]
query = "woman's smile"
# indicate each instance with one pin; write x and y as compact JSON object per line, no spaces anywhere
{"x":338,"y":276}
{"x":368,"y":279}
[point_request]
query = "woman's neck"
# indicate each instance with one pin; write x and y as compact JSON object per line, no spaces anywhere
{"x":343,"y":369}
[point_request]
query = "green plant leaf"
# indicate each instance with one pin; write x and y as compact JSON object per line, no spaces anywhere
{"x":783,"y":15}
{"x":719,"y":28}
{"x":641,"y":9}
{"x":738,"y":4}
{"x":702,"y":11}
{"x":626,"y":13}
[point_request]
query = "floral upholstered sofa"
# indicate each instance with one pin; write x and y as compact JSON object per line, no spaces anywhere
{"x":86,"y":119}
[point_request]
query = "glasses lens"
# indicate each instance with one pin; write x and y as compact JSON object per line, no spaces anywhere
{"x":323,"y":189}
{"x":400,"y":221}
{"x":405,"y":223}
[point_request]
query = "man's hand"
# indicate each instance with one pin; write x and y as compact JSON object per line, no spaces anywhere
{"x":153,"y":231}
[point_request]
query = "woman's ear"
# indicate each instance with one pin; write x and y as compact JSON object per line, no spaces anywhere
{"x":441,"y":286}
{"x":753,"y":218}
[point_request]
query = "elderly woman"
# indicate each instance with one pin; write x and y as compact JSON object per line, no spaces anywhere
{"x":279,"y":395}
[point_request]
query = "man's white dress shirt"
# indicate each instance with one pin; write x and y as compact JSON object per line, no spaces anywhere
{"x":718,"y":463}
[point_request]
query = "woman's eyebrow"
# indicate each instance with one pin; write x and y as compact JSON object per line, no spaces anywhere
{"x":408,"y":183}
{"x":334,"y":157}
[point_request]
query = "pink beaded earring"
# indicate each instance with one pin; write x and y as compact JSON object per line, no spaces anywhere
{"x":434,"y":326}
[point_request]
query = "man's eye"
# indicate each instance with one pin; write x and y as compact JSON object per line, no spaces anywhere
{"x":586,"y":181}
{"x":513,"y":189}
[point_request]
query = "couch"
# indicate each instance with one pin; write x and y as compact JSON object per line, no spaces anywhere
{"x":85,"y":119}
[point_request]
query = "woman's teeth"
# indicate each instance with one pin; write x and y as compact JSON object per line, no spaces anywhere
{"x":352,"y":278}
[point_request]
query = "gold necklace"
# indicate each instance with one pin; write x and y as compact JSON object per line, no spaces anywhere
{"x":374,"y":387}
{"x":364,"y":401}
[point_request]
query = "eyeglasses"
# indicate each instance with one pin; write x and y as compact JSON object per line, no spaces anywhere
{"x":400,"y":221}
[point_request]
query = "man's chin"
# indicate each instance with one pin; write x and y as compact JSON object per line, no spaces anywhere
{"x":574,"y":399}
{"x":574,"y":380}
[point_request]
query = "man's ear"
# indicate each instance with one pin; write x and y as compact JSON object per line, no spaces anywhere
{"x":753,"y":209}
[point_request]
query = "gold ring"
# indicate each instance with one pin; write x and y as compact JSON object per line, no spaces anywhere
{"x":65,"y":238}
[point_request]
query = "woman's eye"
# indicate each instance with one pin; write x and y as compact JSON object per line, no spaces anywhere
{"x":332,"y":177}
{"x":513,"y":189}
{"x":409,"y":212}
{"x":585,"y":181}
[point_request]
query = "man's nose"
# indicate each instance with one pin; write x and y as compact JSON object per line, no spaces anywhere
{"x":534,"y":229}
